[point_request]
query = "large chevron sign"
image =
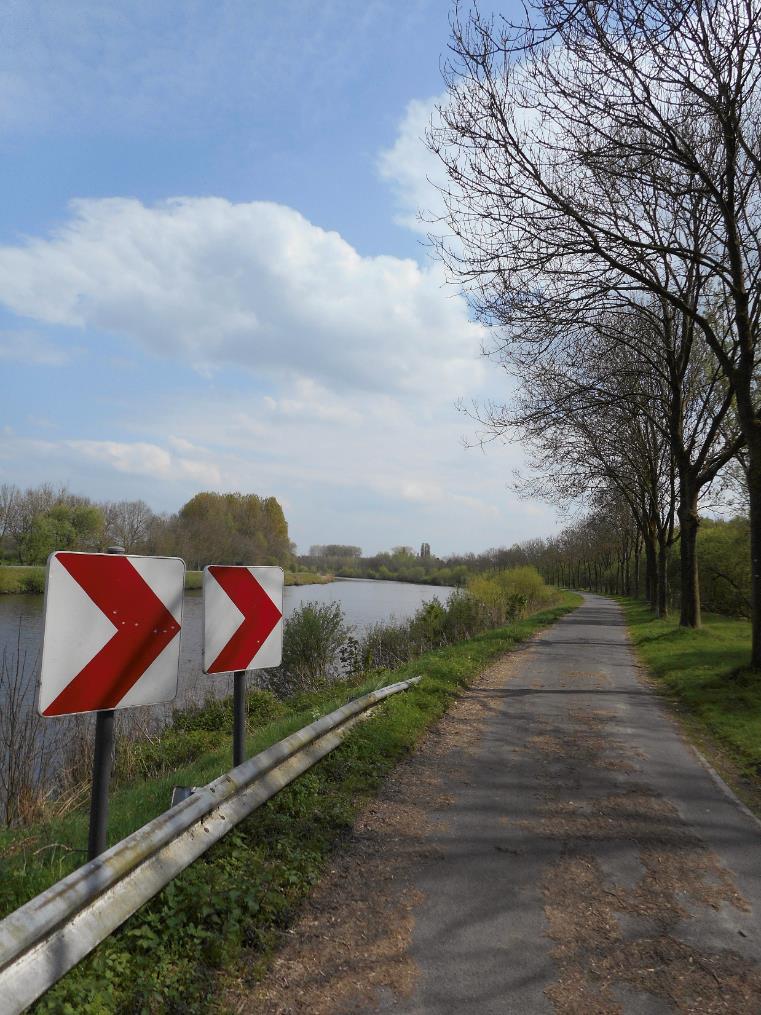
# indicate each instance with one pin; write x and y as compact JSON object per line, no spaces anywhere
{"x":243,"y":618}
{"x":111,"y":637}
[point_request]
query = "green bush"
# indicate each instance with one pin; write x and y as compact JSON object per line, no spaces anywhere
{"x":136,"y":759}
{"x":465,"y":617}
{"x":314,"y":639}
{"x":33,"y":580}
{"x":385,"y":646}
{"x":216,"y":714}
{"x":511,"y":594}
{"x":724,"y":566}
{"x":427,"y":626}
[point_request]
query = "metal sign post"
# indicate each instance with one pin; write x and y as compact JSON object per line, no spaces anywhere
{"x":239,"y":717}
{"x":102,"y":764}
{"x":111,"y":640}
{"x":243,"y":630}
{"x":103,"y":761}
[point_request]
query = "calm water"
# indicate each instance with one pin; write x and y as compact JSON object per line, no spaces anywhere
{"x":363,"y":603}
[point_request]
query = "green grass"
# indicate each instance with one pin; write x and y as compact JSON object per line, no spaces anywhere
{"x":244,"y":891}
{"x":706,"y":672}
{"x":306,"y":578}
{"x":194,"y":579}
{"x":19,"y":578}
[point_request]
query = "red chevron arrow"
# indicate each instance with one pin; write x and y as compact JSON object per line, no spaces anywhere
{"x":144,"y":628}
{"x":260,"y":616}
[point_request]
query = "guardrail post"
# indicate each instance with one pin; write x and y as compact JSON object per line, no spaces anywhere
{"x":239,"y":718}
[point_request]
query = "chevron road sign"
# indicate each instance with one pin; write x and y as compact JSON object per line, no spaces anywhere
{"x":243,"y":618}
{"x":111,"y":635}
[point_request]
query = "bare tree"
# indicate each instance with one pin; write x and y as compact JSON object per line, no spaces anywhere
{"x":572,"y":144}
{"x":10,"y":496}
{"x":650,"y":364}
{"x":587,"y":441}
{"x":128,"y":523}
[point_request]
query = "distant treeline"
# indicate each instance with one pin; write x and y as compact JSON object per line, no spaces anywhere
{"x":602,"y":552}
{"x":210,"y":527}
{"x":402,"y":563}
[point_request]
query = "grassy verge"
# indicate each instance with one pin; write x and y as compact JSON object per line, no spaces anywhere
{"x":245,"y":890}
{"x":705,"y":673}
{"x":18,"y":578}
{"x":306,"y":578}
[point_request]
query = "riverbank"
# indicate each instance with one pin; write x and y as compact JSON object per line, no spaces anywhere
{"x":705,"y":677}
{"x":245,"y":891}
{"x":20,"y":579}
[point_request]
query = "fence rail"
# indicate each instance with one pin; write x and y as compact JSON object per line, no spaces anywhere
{"x":46,"y":937}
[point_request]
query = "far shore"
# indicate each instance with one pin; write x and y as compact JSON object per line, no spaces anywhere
{"x":29,"y":579}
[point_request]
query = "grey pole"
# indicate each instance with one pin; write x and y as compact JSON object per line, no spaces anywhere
{"x":103,"y":761}
{"x":239,"y":718}
{"x":101,"y":776}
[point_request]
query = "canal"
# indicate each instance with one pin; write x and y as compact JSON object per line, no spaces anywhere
{"x":363,"y":602}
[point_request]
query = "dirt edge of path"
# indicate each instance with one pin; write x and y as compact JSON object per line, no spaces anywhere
{"x":348,"y":948}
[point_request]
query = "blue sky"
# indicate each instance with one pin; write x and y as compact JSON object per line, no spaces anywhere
{"x":211,"y":276}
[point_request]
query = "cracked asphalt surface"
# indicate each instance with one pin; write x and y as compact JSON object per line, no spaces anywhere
{"x":553,"y":846}
{"x":588,"y":860}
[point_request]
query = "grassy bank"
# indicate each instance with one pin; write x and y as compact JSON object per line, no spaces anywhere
{"x":705,"y":673}
{"x":244,"y":891}
{"x":18,"y":578}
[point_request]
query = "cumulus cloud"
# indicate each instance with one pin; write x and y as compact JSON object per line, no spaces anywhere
{"x":413,"y":171}
{"x":145,"y":459}
{"x":309,"y":403}
{"x":251,"y":284}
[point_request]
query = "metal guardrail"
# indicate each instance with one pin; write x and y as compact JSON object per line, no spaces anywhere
{"x":46,"y":937}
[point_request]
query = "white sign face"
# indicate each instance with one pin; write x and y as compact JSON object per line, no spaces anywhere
{"x":242,"y":617}
{"x":112,"y":632}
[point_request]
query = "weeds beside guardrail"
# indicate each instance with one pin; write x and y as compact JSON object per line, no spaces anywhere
{"x":44,"y":939}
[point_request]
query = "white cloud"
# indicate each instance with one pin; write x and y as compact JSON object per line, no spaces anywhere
{"x":389,"y":477}
{"x":144,"y":459}
{"x":312,"y":403}
{"x":413,"y":171}
{"x":248,"y":284}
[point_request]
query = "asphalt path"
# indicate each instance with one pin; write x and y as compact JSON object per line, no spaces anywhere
{"x":587,"y":859}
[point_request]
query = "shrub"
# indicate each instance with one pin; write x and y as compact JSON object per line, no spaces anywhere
{"x":465,"y":617}
{"x":385,"y":646}
{"x":427,"y":626}
{"x":140,"y":759}
{"x":512,"y":593}
{"x":724,"y":566}
{"x":216,"y":714}
{"x":314,"y":638}
{"x":33,"y":580}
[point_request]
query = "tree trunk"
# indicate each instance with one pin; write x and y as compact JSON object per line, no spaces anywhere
{"x":651,"y":569}
{"x":637,"y":562}
{"x":754,"y":490}
{"x":689,"y":521}
{"x":751,"y":428}
{"x":662,"y":607}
